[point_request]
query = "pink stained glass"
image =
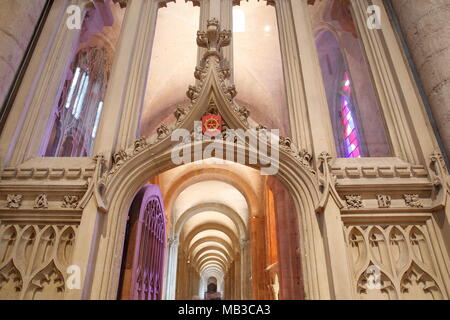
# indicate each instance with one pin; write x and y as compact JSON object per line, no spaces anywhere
{"x":351,"y":141}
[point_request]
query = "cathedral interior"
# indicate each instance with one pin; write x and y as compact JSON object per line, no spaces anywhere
{"x":224,"y":150}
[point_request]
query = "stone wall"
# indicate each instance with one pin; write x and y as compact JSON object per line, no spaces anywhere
{"x":426,"y":26}
{"x":18,"y":21}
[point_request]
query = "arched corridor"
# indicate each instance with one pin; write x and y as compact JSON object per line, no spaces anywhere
{"x":222,"y":224}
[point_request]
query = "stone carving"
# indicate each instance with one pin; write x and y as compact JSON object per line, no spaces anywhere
{"x":354,"y":201}
{"x":243,"y":114}
{"x":231,"y":92}
{"x":417,"y":284}
{"x":261,"y":127}
{"x":13,"y":201}
{"x":214,"y":38}
{"x":302,"y":156}
{"x":378,"y":171}
{"x":139,"y":145}
{"x":162,"y":132}
{"x":41,"y":201}
{"x":70,"y":202}
{"x":199,"y":73}
{"x":384,"y":201}
{"x":384,"y":264}
{"x":41,"y":255}
{"x":10,"y":282}
{"x":192,"y":93}
{"x":412,"y":200}
{"x":180,"y":113}
{"x":120,"y":157}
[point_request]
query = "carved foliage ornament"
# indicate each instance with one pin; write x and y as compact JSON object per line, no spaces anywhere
{"x":354,"y":201}
{"x":70,"y":202}
{"x":14,"y":201}
{"x":412,"y":200}
{"x":41,"y":201}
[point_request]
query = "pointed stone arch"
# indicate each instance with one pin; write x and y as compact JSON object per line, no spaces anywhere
{"x":115,"y":188}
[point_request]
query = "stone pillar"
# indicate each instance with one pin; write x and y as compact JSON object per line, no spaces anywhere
{"x":258,"y":242}
{"x":27,"y":123}
{"x":306,"y":97}
{"x":171,"y":274}
{"x":14,"y":37}
{"x":124,"y":98}
{"x":245,"y":270}
{"x":426,"y":27}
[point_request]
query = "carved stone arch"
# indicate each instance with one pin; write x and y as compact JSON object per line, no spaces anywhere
{"x":215,"y":259}
{"x":212,"y":226}
{"x":378,"y":247}
{"x":66,"y":245}
{"x":376,"y":284}
{"x":213,"y":239}
{"x":204,"y":174}
{"x":121,"y":186}
{"x":211,"y":248}
{"x":416,"y":283}
{"x":25,"y":247}
{"x":420,"y":250}
{"x":114,"y":189}
{"x":8,"y":240}
{"x":11,"y":282}
{"x":47,"y":283}
{"x":223,"y":209}
{"x":46,"y":247}
{"x":358,"y":248}
{"x":215,"y":254}
{"x":400,"y":251}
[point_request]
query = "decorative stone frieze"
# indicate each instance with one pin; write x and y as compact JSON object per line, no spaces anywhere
{"x":384,"y":201}
{"x":41,"y":201}
{"x":14,"y":201}
{"x":413,"y":200}
{"x":354,"y":201}
{"x":70,"y":202}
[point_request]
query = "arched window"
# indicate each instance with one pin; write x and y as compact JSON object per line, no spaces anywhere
{"x":358,"y":124}
{"x":81,"y":104}
{"x":76,"y":117}
{"x":258,"y":67}
{"x":351,"y":145}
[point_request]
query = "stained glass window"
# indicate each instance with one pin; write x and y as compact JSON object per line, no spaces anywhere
{"x":350,"y":132}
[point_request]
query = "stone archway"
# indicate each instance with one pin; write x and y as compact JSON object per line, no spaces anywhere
{"x":147,"y":157}
{"x":131,"y":175}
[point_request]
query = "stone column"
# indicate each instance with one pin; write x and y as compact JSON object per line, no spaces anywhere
{"x":171,"y":274}
{"x":15,"y":36}
{"x":27,"y":123}
{"x":426,"y":27}
{"x":258,"y":242}
{"x":245,"y":287}
{"x":306,"y":97}
{"x":124,"y":98}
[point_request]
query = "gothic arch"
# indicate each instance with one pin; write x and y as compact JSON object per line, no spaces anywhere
{"x":115,"y":189}
{"x":223,"y":209}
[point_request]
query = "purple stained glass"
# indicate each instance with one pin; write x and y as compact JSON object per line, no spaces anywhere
{"x":351,"y":141}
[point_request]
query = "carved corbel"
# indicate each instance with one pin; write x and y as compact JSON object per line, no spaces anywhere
{"x":192,"y":93}
{"x":302,"y":156}
{"x":139,"y":145}
{"x":327,"y":183}
{"x":180,"y":113}
{"x":438,"y":176}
